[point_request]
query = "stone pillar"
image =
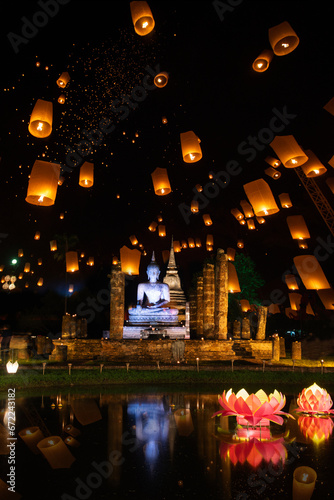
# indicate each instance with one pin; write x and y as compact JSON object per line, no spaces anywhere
{"x":221,"y":299}
{"x":193,"y":310}
{"x":69,"y":327}
{"x":245,"y":332}
{"x":282,"y":347}
{"x":208,"y":300}
{"x":117,"y":293}
{"x":199,"y":300}
{"x":236,"y":329}
{"x":261,"y":322}
{"x":296,"y":350}
{"x":276,"y":348}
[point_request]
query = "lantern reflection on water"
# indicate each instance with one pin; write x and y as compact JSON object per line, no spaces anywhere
{"x":56,"y":452}
{"x":316,"y":429}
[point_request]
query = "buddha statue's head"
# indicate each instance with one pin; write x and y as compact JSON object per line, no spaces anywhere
{"x":153,"y":270}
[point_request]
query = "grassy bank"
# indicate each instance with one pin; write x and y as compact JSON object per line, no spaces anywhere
{"x":27,"y":379}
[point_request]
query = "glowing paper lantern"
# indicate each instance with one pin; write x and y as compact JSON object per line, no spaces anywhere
{"x":86,"y":411}
{"x":240,"y":244}
{"x":327,"y":298}
{"x":233,"y":281}
{"x":245,"y":305}
{"x":254,"y":450}
{"x":20,"y":253}
{"x":250,"y":224}
{"x":303,"y":483}
{"x":61,"y":99}
{"x":302,"y":244}
{"x":209,"y":240}
{"x":311,"y":272}
{"x":316,"y":429}
{"x":184,"y":244}
{"x":61,"y":216}
{"x":191,"y":242}
{"x":53,"y":245}
{"x":72,"y":263}
{"x":274,"y":174}
{"x":43,"y":183}
{"x":198,"y":243}
{"x":291,"y":282}
{"x":161,"y":182}
{"x":261,"y":220}
{"x":164,"y":120}
{"x":313,"y":167}
{"x":72,"y":431}
{"x":63,"y":79}
{"x":90,"y":261}
{"x":295,"y":299}
{"x":237,"y":214}
{"x":199,"y":188}
{"x":31,"y":436}
{"x":298,"y":227}
{"x":262,"y":62}
{"x":162,"y":230}
{"x":255,"y":409}
{"x":130,"y":260}
{"x":20,"y":276}
{"x":207,"y":220}
{"x":86,"y":178}
{"x":230,"y":252}
{"x":289,"y":151}
{"x":273,"y":162}
{"x":247,"y":209}
{"x":26,"y":267}
{"x":40,"y":282}
{"x":314,"y":399}
{"x":153,"y":226}
{"x":285,"y":201}
{"x":133,"y":240}
{"x":273,"y":309}
{"x":40,"y":124}
{"x":70,"y":288}
{"x":56,"y":452}
{"x":177,"y":246}
{"x":283,"y":39}
{"x":194,"y":206}
{"x":161,"y":79}
{"x":142,"y":18}
{"x":37,"y":235}
{"x":190,"y":145}
{"x":261,"y":198}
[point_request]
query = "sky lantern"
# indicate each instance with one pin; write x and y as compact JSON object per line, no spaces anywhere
{"x":133,"y":240}
{"x":283,"y":39}
{"x":288,"y":151}
{"x":311,"y":272}
{"x":162,"y":230}
{"x":43,"y":183}
{"x":61,"y":99}
{"x":20,"y":252}
{"x":327,"y":298}
{"x":53,"y":245}
{"x":90,"y":261}
{"x":329,"y":106}
{"x":191,"y":242}
{"x":161,"y":79}
{"x":330,"y":183}
{"x":86,"y":178}
{"x":273,"y":162}
{"x":285,"y":201}
{"x":161,"y":182}
{"x":20,"y":276}
{"x":72,"y":263}
{"x":295,"y":299}
{"x":61,"y":216}
{"x":298,"y":227}
{"x":250,"y":224}
{"x":291,"y":282}
{"x":209,"y":240}
{"x":177,"y":246}
{"x":230,"y":252}
{"x":153,"y":226}
{"x":130,"y":260}
{"x":190,"y":145}
{"x":262,"y":61}
{"x":63,"y":80}
{"x":40,"y":282}
{"x":207,"y":219}
{"x":39,"y":262}
{"x":37,"y":235}
{"x":199,"y":188}
{"x":261,"y":198}
{"x":142,"y":18}
{"x":40,"y":124}
{"x":313,"y":167}
{"x":184,"y":244}
{"x":26,"y":267}
{"x":302,"y":244}
{"x":245,"y":305}
{"x":233,"y":281}
{"x":240,"y":244}
{"x":247,"y":209}
{"x":261,"y":220}
{"x":273,"y":309}
{"x":198,"y":243}
{"x":274,"y":174}
{"x":164,"y":120}
{"x":194,"y":206}
{"x":237,"y":214}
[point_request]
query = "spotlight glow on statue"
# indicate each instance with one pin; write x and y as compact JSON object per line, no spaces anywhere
{"x":152,"y":300}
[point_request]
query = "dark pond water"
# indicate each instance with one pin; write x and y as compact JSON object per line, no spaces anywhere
{"x":158,"y":444}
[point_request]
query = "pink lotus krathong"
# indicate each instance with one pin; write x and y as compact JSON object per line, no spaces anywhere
{"x":315,"y":400}
{"x":254,"y":409}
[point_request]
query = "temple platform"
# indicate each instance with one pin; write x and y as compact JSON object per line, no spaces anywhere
{"x":167,"y":332}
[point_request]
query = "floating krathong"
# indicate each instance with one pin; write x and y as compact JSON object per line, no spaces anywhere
{"x":316,"y":400}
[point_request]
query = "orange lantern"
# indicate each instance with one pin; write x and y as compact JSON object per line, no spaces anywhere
{"x":311,"y":272}
{"x":90,"y":262}
{"x":20,"y":276}
{"x":184,"y":244}
{"x":237,"y":214}
{"x":63,"y":79}
{"x":40,"y":124}
{"x":133,"y":240}
{"x":72,"y":263}
{"x":130,"y":260}
{"x":162,"y":230}
{"x":298,"y":227}
{"x":209,"y":240}
{"x":56,"y":452}
{"x":260,"y":196}
{"x":207,"y":220}
{"x":152,"y":227}
{"x":327,"y":298}
{"x":86,"y":178}
{"x":31,"y":436}
{"x":61,"y":216}
{"x":262,"y":62}
{"x":230,"y":252}
{"x":161,"y":79}
{"x":291,"y":282}
{"x":176,"y":246}
{"x":20,"y":253}
{"x":53,"y":245}
{"x":26,"y":267}
{"x":274,"y":309}
{"x":295,"y":299}
{"x":303,"y":245}
{"x":142,"y":18}
{"x":39,"y":262}
{"x":313,"y":167}
{"x":164,"y":120}
{"x":233,"y":281}
{"x":40,"y":282}
{"x":37,"y":235}
{"x":191,"y":242}
{"x":190,"y":145}
{"x":161,"y":182}
{"x":61,"y":99}
{"x":247,"y":209}
{"x":194,"y":206}
{"x":70,"y":288}
{"x":199,"y":188}
{"x":274,"y":174}
{"x":198,"y":243}
{"x":245,"y":305}
{"x":250,"y":224}
{"x":289,"y":151}
{"x":273,"y":162}
{"x":261,"y":220}
{"x":283,"y":39}
{"x":240,"y":244}
{"x":285,"y":201}
{"x":43,"y":183}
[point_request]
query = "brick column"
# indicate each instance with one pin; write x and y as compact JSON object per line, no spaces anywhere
{"x":208,"y":300}
{"x":117,"y":290}
{"x":261,"y":323}
{"x":221,"y":299}
{"x":199,"y":300}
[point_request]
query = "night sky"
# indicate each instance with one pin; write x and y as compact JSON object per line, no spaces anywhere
{"x":212,"y":90}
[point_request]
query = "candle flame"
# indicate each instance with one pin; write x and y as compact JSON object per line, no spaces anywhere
{"x":285,"y":45}
{"x":145,"y":24}
{"x":41,"y":198}
{"x":192,"y":157}
{"x":40,"y":126}
{"x":304,"y":477}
